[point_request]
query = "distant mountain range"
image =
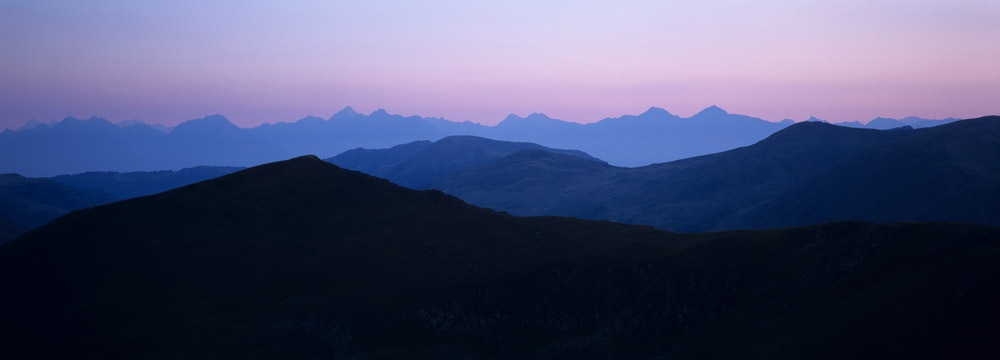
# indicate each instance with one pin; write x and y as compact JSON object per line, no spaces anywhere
{"x":807,"y":173}
{"x":890,"y":123}
{"x":302,"y":259}
{"x":27,"y":203}
{"x":73,"y":145}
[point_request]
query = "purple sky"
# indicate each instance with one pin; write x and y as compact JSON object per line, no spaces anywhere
{"x":255,"y":62}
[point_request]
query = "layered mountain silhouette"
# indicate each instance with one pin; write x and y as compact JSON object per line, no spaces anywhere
{"x":951,"y":172}
{"x":124,"y":185}
{"x":303,"y":259}
{"x":74,"y":146}
{"x":808,"y":173}
{"x":26,"y":203}
{"x":651,"y":137}
{"x":882,"y":123}
{"x":414,"y":164}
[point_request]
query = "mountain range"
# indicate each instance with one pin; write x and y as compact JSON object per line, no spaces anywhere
{"x":808,"y":173}
{"x":27,"y":203}
{"x":74,"y":146}
{"x":882,"y":123}
{"x":302,"y":259}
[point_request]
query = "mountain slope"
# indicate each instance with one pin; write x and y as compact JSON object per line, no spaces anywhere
{"x":28,"y":203}
{"x":124,"y":185}
{"x":414,"y":164}
{"x":948,"y":173}
{"x":302,"y":259}
{"x":697,"y":194}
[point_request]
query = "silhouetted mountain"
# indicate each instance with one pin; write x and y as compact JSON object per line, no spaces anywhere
{"x":414,"y":164}
{"x":890,"y":123}
{"x":140,"y":183}
{"x":74,"y":146}
{"x":28,"y":203}
{"x":950,"y":172}
{"x":302,"y":259}
{"x":697,"y":194}
{"x":651,"y":137}
{"x":655,"y":136}
{"x":348,"y":129}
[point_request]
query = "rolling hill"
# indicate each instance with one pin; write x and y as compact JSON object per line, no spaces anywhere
{"x":697,"y":194}
{"x":950,"y":172}
{"x":414,"y":164}
{"x":302,"y":259}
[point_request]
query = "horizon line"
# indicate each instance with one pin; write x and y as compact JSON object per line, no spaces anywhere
{"x":52,"y":122}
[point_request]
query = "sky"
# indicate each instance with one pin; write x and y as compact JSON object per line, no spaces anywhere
{"x":270,"y":61}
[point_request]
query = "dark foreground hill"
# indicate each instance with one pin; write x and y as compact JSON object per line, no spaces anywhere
{"x":302,"y":259}
{"x":414,"y":164}
{"x":807,"y":173}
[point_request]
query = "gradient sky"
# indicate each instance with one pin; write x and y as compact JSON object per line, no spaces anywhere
{"x":255,"y":61}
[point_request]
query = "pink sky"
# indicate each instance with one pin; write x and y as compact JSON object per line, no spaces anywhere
{"x":582,"y":61}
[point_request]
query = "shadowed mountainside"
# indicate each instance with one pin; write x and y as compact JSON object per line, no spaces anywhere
{"x":950,"y":172}
{"x":805,"y":174}
{"x":303,"y":259}
{"x":414,"y":164}
{"x":697,"y":194}
{"x":28,"y":203}
{"x":124,"y":185}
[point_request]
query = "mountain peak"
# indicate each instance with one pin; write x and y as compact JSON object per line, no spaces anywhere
{"x":307,"y":159}
{"x":531,"y":118}
{"x":347,"y":111}
{"x":512,"y":117}
{"x":213,"y":123}
{"x":93,"y":122}
{"x":711,"y":111}
{"x":379,"y":112}
{"x":656,"y":111}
